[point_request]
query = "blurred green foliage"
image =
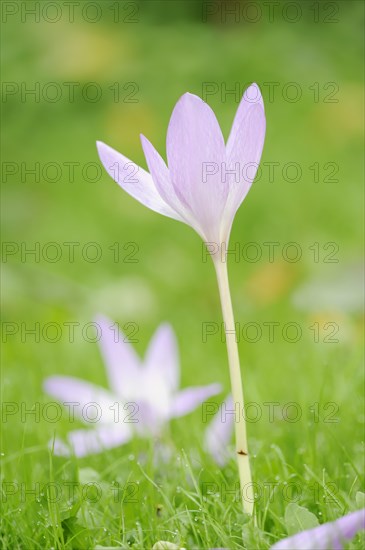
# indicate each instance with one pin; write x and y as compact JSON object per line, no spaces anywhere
{"x":167,"y":51}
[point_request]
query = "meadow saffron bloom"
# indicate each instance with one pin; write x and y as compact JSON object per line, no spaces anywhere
{"x":143,"y":396}
{"x":219,"y":432}
{"x":202,"y":185}
{"x":204,"y":181}
{"x":329,"y":536}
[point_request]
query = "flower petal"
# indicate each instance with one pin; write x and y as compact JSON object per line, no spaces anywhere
{"x":161,"y":178}
{"x":187,"y":400}
{"x":134,"y":180}
{"x":150,"y":415}
{"x":80,"y":397}
{"x":162,"y":358}
{"x":219,"y":432}
{"x":86,"y":442}
{"x":58,"y":447}
{"x":251,"y":97}
{"x":195,"y":148}
{"x":244,"y":148}
{"x":330,"y":535}
{"x":122,"y":362}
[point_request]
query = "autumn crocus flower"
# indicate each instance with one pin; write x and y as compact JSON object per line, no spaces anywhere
{"x":204,"y":181}
{"x":142,"y":398}
{"x":202,"y":185}
{"x":219,"y":432}
{"x":329,"y":536}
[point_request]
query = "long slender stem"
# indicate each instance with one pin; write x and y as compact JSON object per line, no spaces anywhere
{"x":247,"y":492}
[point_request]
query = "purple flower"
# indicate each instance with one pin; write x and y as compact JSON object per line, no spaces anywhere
{"x":142,"y":396}
{"x":219,"y":433}
{"x":205,"y":181}
{"x":329,"y":536}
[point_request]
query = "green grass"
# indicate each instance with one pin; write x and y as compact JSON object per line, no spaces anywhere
{"x":187,"y":500}
{"x":157,"y":500}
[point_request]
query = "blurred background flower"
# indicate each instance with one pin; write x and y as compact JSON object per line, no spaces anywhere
{"x":329,"y":536}
{"x":142,"y":397}
{"x":218,"y":434}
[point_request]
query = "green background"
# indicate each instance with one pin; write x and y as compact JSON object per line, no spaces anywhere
{"x":161,"y":50}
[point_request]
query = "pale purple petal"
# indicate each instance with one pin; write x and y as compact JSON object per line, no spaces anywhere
{"x":244,"y":149}
{"x":329,"y":536}
{"x":162,"y":358}
{"x":150,"y":418}
{"x":134,"y":180}
{"x":59,"y":448}
{"x":189,"y":399}
{"x":195,"y":146}
{"x":162,"y":181}
{"x":251,"y":97}
{"x":219,"y":433}
{"x":122,"y":362}
{"x":82,"y":399}
{"x":86,"y":442}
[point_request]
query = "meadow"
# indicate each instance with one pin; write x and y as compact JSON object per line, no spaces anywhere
{"x":295,"y":271}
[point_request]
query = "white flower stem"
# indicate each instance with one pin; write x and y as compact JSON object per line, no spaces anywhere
{"x":247,"y":492}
